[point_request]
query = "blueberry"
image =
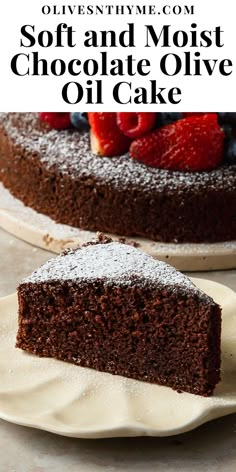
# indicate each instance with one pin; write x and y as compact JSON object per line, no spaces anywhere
{"x":79,"y":121}
{"x":228,"y":130}
{"x":167,"y":118}
{"x":227,"y":118}
{"x":230,"y":153}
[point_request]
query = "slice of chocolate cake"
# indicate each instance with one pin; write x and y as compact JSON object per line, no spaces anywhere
{"x":110,"y":307}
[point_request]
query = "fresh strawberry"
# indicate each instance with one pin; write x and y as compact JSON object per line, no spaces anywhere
{"x":56,"y":120}
{"x":106,"y":137}
{"x":135,"y":125}
{"x":195,"y":143}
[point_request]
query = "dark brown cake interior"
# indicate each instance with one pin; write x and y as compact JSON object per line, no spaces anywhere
{"x":161,"y":332}
{"x":55,"y":173}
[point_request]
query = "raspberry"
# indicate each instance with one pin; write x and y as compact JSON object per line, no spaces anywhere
{"x":106,"y":137}
{"x":195,"y":143}
{"x":56,"y":120}
{"x":135,"y":125}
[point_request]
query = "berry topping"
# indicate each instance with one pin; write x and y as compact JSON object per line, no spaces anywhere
{"x":80,"y":121}
{"x":163,"y":119}
{"x":230,"y":153}
{"x":135,"y":125}
{"x":195,"y":143}
{"x":106,"y":137}
{"x":56,"y":120}
{"x":186,"y":114}
{"x":229,"y":130}
{"x":227,"y":118}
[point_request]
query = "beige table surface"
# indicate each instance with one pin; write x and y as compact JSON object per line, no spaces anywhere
{"x":210,"y":448}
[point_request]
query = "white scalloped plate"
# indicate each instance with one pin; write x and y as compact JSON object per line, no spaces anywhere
{"x":73,"y":401}
{"x":41,"y":231}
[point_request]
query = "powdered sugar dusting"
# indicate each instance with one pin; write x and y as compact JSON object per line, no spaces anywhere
{"x":69,"y":152}
{"x":114,"y":263}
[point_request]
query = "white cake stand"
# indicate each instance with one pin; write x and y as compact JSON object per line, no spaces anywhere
{"x":43,"y":232}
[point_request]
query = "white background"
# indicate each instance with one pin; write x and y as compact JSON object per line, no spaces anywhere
{"x":205,"y":93}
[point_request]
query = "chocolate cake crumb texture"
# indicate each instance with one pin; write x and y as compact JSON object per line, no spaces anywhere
{"x":56,"y":174}
{"x":110,"y":307}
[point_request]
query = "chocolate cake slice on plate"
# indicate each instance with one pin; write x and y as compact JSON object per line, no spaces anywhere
{"x":110,"y":307}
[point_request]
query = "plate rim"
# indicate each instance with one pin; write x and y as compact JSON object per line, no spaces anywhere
{"x":207,"y":413}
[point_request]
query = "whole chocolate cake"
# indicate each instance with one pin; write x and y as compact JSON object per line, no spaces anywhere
{"x":56,"y":173}
{"x":110,"y":307}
